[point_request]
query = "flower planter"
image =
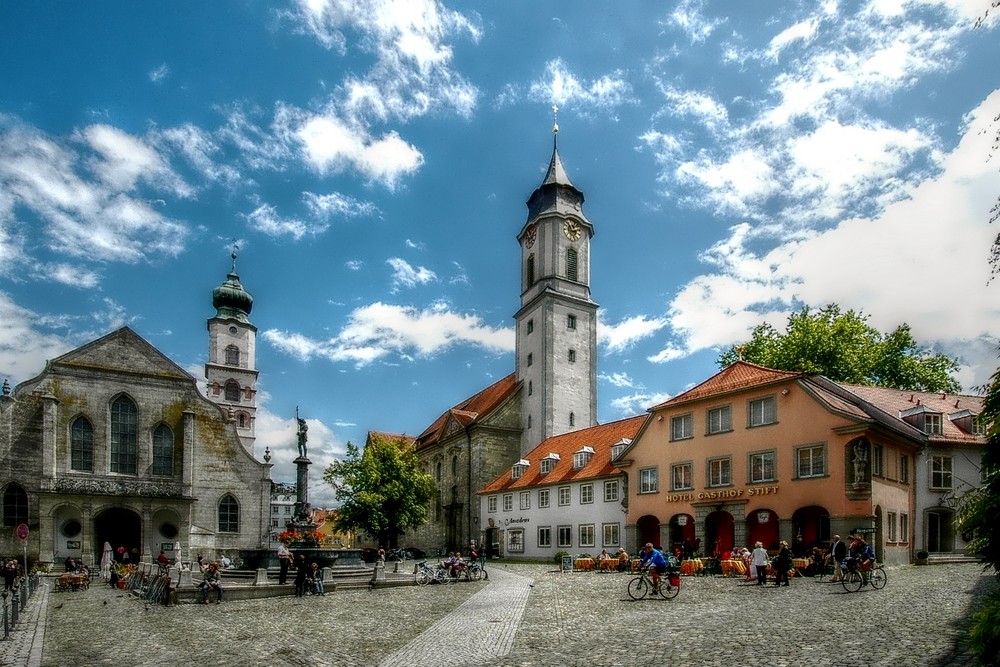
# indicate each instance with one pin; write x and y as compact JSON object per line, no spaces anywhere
{"x":121,"y":583}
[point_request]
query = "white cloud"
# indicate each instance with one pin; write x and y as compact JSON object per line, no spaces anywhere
{"x":337,"y":205}
{"x":25,"y":347}
{"x":265,"y":219}
{"x":623,"y":335}
{"x":379,"y":330}
{"x":921,"y":261}
{"x":561,"y":86}
{"x":278,"y":435}
{"x":688,"y":16}
{"x":160,"y":73}
{"x":107,"y":219}
{"x":405,"y":275}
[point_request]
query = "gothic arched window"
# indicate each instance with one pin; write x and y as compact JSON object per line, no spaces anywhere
{"x":229,"y":515}
{"x":163,"y":450}
{"x":232,"y":390}
{"x":233,"y":355}
{"x":15,"y":505}
{"x":81,"y":445}
{"x":124,"y":427}
{"x":454,"y":466}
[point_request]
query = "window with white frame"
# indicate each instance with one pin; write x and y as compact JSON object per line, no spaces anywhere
{"x":587,"y":535}
{"x":941,"y":472}
{"x":618,"y":448}
{"x":586,"y":493}
{"x":525,"y":498}
{"x":543,"y":498}
{"x":582,"y":457}
{"x":611,"y":491}
{"x":564,"y":496}
{"x":682,"y":427}
{"x":612,"y":534}
{"x":508,"y":502}
{"x":516,"y":471}
{"x":932,"y":423}
{"x":491,"y":504}
{"x":978,"y":427}
{"x":720,"y":472}
{"x":810,"y":461}
{"x":648,"y":481}
{"x":546,"y":465}
{"x":720,"y":419}
{"x":762,"y":411}
{"x":565,"y":536}
{"x":545,"y":536}
{"x":904,"y":527}
{"x":890,"y":521}
{"x":681,"y":476}
{"x":515,"y":540}
{"x":762,"y":467}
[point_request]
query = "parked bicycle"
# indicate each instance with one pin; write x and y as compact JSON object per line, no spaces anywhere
{"x":426,"y":574}
{"x":856,"y":576}
{"x":641,"y":586}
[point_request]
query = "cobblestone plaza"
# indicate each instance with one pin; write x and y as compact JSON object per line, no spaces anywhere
{"x":524,"y":616}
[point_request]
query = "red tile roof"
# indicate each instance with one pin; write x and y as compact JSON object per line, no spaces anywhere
{"x":600,"y":438}
{"x":896,"y":401}
{"x":735,"y":377}
{"x":471,"y":409}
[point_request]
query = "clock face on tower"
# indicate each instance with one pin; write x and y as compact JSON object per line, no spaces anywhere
{"x":571,"y":228}
{"x":529,"y":236}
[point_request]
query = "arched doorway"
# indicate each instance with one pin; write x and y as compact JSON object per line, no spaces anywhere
{"x":940,"y":530}
{"x":720,"y":531}
{"x":762,"y":526}
{"x":649,"y":530}
{"x":681,"y":531}
{"x":119,"y":527}
{"x":810,"y":528}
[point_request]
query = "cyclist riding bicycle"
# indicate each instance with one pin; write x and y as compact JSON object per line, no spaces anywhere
{"x":862,"y":554}
{"x":656,"y":561}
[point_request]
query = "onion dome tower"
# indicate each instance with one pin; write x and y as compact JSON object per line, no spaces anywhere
{"x":231,"y":369}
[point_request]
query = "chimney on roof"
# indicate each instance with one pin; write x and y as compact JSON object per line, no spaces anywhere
{"x":918,"y":401}
{"x":944,"y":396}
{"x":956,"y":404}
{"x":911,"y":398}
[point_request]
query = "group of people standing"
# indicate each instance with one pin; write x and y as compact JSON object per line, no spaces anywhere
{"x":308,"y":576}
{"x":858,"y":552}
{"x":761,"y":560}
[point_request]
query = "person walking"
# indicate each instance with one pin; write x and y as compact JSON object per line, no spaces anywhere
{"x":782,"y":564}
{"x":760,"y":562}
{"x":838,"y":552}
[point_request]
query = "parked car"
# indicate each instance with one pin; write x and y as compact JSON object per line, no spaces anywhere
{"x":415,"y":553}
{"x":369,"y":555}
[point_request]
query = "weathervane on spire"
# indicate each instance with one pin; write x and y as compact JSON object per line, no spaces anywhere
{"x":555,"y":119}
{"x":236,"y":248}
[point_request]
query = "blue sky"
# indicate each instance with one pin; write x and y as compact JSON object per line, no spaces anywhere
{"x":372,"y":160}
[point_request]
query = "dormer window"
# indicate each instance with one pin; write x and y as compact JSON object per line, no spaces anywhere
{"x":932,"y":423}
{"x":619,"y":447}
{"x":518,"y":469}
{"x":582,"y":457}
{"x":548,"y":463}
{"x":968,"y":421}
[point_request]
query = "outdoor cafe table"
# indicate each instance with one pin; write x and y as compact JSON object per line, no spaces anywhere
{"x":583,"y":564}
{"x":608,"y":564}
{"x":733,"y":566}
{"x":691,"y":566}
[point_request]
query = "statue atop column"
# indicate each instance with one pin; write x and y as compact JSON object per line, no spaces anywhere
{"x":301,"y":433}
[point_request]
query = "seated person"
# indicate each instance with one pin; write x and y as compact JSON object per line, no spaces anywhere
{"x":162,"y":560}
{"x":314,"y":580}
{"x":70,"y":564}
{"x":624,"y":562}
{"x":603,"y":555}
{"x":458,"y":566}
{"x":211,"y":581}
{"x":227,"y":564}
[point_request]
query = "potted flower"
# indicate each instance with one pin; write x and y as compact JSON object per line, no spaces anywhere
{"x":921,"y":557}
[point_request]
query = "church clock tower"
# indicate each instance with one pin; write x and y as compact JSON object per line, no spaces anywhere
{"x":556,"y":340}
{"x":232,"y":347}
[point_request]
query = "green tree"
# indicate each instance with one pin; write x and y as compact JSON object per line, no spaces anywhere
{"x":382,"y":488}
{"x":978,"y":515}
{"x":845,"y":348}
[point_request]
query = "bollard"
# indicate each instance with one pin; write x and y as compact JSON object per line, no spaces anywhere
{"x":6,"y":625}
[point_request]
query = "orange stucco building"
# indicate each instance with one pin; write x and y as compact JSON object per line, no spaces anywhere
{"x":759,"y":454}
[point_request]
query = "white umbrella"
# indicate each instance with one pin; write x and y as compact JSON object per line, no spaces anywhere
{"x":177,"y":553}
{"x":106,"y":562}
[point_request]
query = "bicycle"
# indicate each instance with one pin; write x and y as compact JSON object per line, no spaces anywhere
{"x":641,"y":586}
{"x":855,"y":577}
{"x":426,"y":574}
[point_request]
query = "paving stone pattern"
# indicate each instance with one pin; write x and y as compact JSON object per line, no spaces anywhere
{"x":524,"y":616}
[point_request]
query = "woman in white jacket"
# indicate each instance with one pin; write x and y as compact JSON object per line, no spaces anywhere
{"x":760,"y":563}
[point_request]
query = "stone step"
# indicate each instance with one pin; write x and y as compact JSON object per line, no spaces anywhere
{"x":944,"y":559}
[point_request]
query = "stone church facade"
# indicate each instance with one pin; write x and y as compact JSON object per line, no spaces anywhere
{"x":113,"y":442}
